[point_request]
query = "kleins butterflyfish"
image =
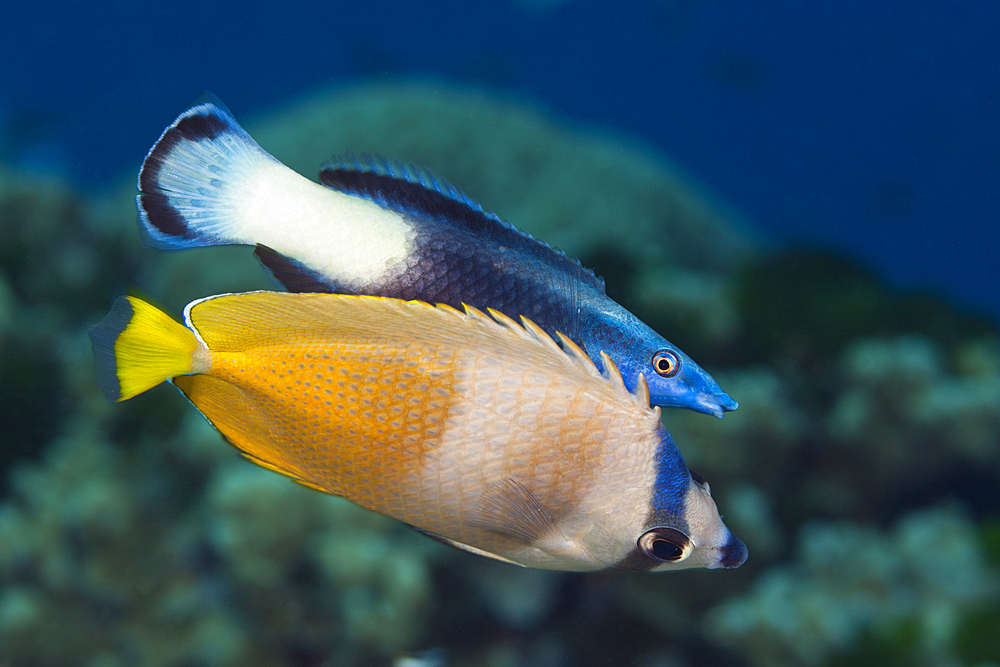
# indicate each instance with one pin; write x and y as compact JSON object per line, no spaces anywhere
{"x":390,"y":230}
{"x":472,"y":428}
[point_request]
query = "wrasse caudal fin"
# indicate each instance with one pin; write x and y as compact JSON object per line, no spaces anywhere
{"x":207,"y":182}
{"x":186,"y":182}
{"x":138,"y":346}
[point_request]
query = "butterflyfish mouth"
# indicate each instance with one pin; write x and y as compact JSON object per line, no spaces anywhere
{"x":734,"y":553}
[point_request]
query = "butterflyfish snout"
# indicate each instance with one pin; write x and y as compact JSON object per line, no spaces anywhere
{"x":478,"y":430}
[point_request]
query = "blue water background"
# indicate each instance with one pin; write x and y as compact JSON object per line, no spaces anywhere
{"x":870,"y":127}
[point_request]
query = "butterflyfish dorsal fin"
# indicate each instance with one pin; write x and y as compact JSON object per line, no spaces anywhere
{"x":238,"y":322}
{"x":640,"y":393}
{"x":473,"y":313}
{"x":540,"y":334}
{"x":503,"y":319}
{"x":611,"y":372}
{"x":509,"y":508}
{"x":577,"y":354}
{"x":526,"y":329}
{"x":565,"y":349}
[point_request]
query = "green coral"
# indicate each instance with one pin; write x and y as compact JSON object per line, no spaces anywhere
{"x":855,"y":591}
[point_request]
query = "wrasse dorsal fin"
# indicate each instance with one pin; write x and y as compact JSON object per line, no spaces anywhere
{"x":510,"y":508}
{"x":337,"y":169}
{"x":408,"y":189}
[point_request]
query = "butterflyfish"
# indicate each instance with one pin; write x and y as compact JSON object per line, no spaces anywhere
{"x":384,"y":229}
{"x":473,"y":428}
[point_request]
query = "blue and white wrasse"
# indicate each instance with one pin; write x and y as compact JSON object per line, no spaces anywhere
{"x":384,"y":230}
{"x":477,"y":430}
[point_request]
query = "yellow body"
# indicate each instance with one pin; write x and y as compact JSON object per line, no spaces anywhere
{"x":478,"y":430}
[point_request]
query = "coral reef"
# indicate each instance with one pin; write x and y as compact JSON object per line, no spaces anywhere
{"x":162,"y":555}
{"x":922,"y":576}
{"x":862,"y":467}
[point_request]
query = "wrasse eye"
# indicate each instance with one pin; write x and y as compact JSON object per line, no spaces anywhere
{"x":666,"y":364}
{"x":665,"y":544}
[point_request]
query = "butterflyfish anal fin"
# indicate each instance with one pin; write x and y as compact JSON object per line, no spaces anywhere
{"x":465,"y":547}
{"x":248,"y":423}
{"x":509,"y":508}
{"x":137,"y":346}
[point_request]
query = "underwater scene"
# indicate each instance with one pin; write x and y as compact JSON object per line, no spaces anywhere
{"x":801,"y":200}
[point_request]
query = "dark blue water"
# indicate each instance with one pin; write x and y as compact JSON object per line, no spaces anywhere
{"x":871,"y":127}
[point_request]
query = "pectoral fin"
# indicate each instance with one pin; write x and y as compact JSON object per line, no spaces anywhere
{"x":509,"y":508}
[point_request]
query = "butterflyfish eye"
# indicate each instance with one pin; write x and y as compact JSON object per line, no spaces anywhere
{"x":666,"y":364}
{"x":665,"y":544}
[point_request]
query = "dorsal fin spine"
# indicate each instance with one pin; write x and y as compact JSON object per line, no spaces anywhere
{"x":611,"y":371}
{"x":540,"y":334}
{"x":576,"y":352}
{"x":641,"y":391}
{"x":503,"y":319}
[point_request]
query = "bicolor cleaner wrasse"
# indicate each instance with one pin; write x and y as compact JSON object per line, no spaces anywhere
{"x":472,"y":428}
{"x":389,"y":230}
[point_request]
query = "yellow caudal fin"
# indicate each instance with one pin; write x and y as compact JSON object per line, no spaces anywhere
{"x":138,"y":346}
